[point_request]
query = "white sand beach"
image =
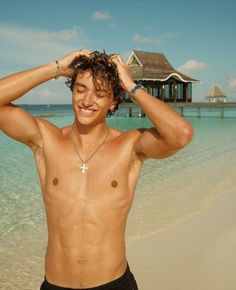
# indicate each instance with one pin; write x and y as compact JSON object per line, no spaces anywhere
{"x":195,"y":254}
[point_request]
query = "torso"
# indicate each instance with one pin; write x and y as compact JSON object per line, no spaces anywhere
{"x":86,"y":212}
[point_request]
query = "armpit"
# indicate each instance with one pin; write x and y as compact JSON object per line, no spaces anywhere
{"x":37,"y":149}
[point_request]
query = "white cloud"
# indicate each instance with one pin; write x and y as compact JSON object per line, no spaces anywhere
{"x":232,"y":83}
{"x":46,"y":93}
{"x":22,"y":34}
{"x":141,"y":39}
{"x":23,"y":45}
{"x":62,"y":35}
{"x":157,"y":41}
{"x":193,"y":65}
{"x":98,"y":15}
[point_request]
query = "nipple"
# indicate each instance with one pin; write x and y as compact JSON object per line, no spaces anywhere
{"x":114,"y":183}
{"x":55,"y":181}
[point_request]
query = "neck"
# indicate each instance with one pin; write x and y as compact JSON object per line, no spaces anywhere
{"x":86,"y":135}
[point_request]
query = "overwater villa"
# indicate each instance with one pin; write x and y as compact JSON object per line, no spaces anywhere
{"x":159,"y":78}
{"x":215,"y":95}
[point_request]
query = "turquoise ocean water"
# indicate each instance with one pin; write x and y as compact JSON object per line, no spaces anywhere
{"x":169,"y":190}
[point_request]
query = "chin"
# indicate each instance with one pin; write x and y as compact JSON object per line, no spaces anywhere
{"x":91,"y":120}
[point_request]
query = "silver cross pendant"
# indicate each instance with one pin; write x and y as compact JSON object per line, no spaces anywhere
{"x":83,"y":168}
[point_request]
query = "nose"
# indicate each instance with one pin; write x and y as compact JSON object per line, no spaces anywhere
{"x":88,"y":99}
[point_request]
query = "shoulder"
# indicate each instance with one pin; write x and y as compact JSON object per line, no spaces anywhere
{"x":125,"y":140}
{"x":125,"y":135}
{"x":129,"y":140}
{"x":49,"y":129}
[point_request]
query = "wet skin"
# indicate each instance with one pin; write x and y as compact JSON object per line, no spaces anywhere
{"x":86,"y":212}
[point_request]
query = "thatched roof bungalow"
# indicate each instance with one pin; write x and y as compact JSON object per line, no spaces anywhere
{"x":157,"y":75}
{"x":215,"y":95}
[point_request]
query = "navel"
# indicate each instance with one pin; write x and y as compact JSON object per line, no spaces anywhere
{"x":55,"y":181}
{"x":79,"y":261}
{"x":114,"y":183}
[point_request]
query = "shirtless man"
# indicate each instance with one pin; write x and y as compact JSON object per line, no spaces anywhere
{"x":88,"y":171}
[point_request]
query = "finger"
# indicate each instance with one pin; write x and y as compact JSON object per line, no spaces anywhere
{"x":117,"y":58}
{"x":113,"y":56}
{"x":84,"y":52}
{"x":78,"y":54}
{"x":120,"y":59}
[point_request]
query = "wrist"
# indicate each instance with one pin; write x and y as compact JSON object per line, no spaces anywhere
{"x":129,"y":86}
{"x":132,"y":92}
{"x":54,"y":69}
{"x":57,"y":69}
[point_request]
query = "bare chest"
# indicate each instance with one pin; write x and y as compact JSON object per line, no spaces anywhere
{"x":102,"y":181}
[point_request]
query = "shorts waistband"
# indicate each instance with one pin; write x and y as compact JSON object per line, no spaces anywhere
{"x":118,"y":283}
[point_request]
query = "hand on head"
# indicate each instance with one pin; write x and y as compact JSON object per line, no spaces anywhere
{"x":67,"y":63}
{"x":123,"y":71}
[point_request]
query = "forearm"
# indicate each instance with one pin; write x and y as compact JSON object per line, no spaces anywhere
{"x":170,"y":125}
{"x":16,"y":85}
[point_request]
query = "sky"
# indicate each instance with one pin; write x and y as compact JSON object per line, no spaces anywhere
{"x":197,"y":37}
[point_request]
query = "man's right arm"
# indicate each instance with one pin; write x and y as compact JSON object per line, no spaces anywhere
{"x":14,"y":121}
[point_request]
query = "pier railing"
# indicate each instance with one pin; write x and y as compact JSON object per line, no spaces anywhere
{"x":219,"y":110}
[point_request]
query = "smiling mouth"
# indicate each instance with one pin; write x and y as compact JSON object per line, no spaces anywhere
{"x":86,"y":110}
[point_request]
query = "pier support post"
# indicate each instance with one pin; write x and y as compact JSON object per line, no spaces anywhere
{"x":141,"y":113}
{"x":222,"y":112}
{"x":129,"y":114}
{"x":198,"y":112}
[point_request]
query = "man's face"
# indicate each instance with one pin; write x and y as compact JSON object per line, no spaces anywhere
{"x":91,"y":104}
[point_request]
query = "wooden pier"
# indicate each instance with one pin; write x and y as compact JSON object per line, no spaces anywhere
{"x":131,"y":110}
{"x":203,"y":109}
{"x":185,"y":109}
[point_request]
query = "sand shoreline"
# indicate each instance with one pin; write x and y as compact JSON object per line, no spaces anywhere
{"x":195,"y":254}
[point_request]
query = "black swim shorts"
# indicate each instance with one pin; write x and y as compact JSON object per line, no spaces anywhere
{"x":125,"y":282}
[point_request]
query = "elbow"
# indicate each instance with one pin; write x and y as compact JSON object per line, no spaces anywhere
{"x":185,"y":136}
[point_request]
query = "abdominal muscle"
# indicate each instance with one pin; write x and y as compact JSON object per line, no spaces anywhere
{"x":86,"y":246}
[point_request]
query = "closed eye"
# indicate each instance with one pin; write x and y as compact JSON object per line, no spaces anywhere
{"x":80,"y":88}
{"x":102,"y":93}
{"x":80,"y":91}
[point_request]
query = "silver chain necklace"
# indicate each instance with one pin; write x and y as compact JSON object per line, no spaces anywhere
{"x":84,"y":166}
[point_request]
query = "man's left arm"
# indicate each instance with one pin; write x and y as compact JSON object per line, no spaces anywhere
{"x":170,"y":131}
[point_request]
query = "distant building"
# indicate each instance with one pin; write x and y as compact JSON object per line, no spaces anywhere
{"x":215,"y":95}
{"x":160,"y":79}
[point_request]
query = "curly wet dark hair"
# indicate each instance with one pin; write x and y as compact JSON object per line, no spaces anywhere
{"x":104,"y":73}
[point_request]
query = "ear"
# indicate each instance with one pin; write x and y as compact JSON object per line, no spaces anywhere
{"x":113,"y":105}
